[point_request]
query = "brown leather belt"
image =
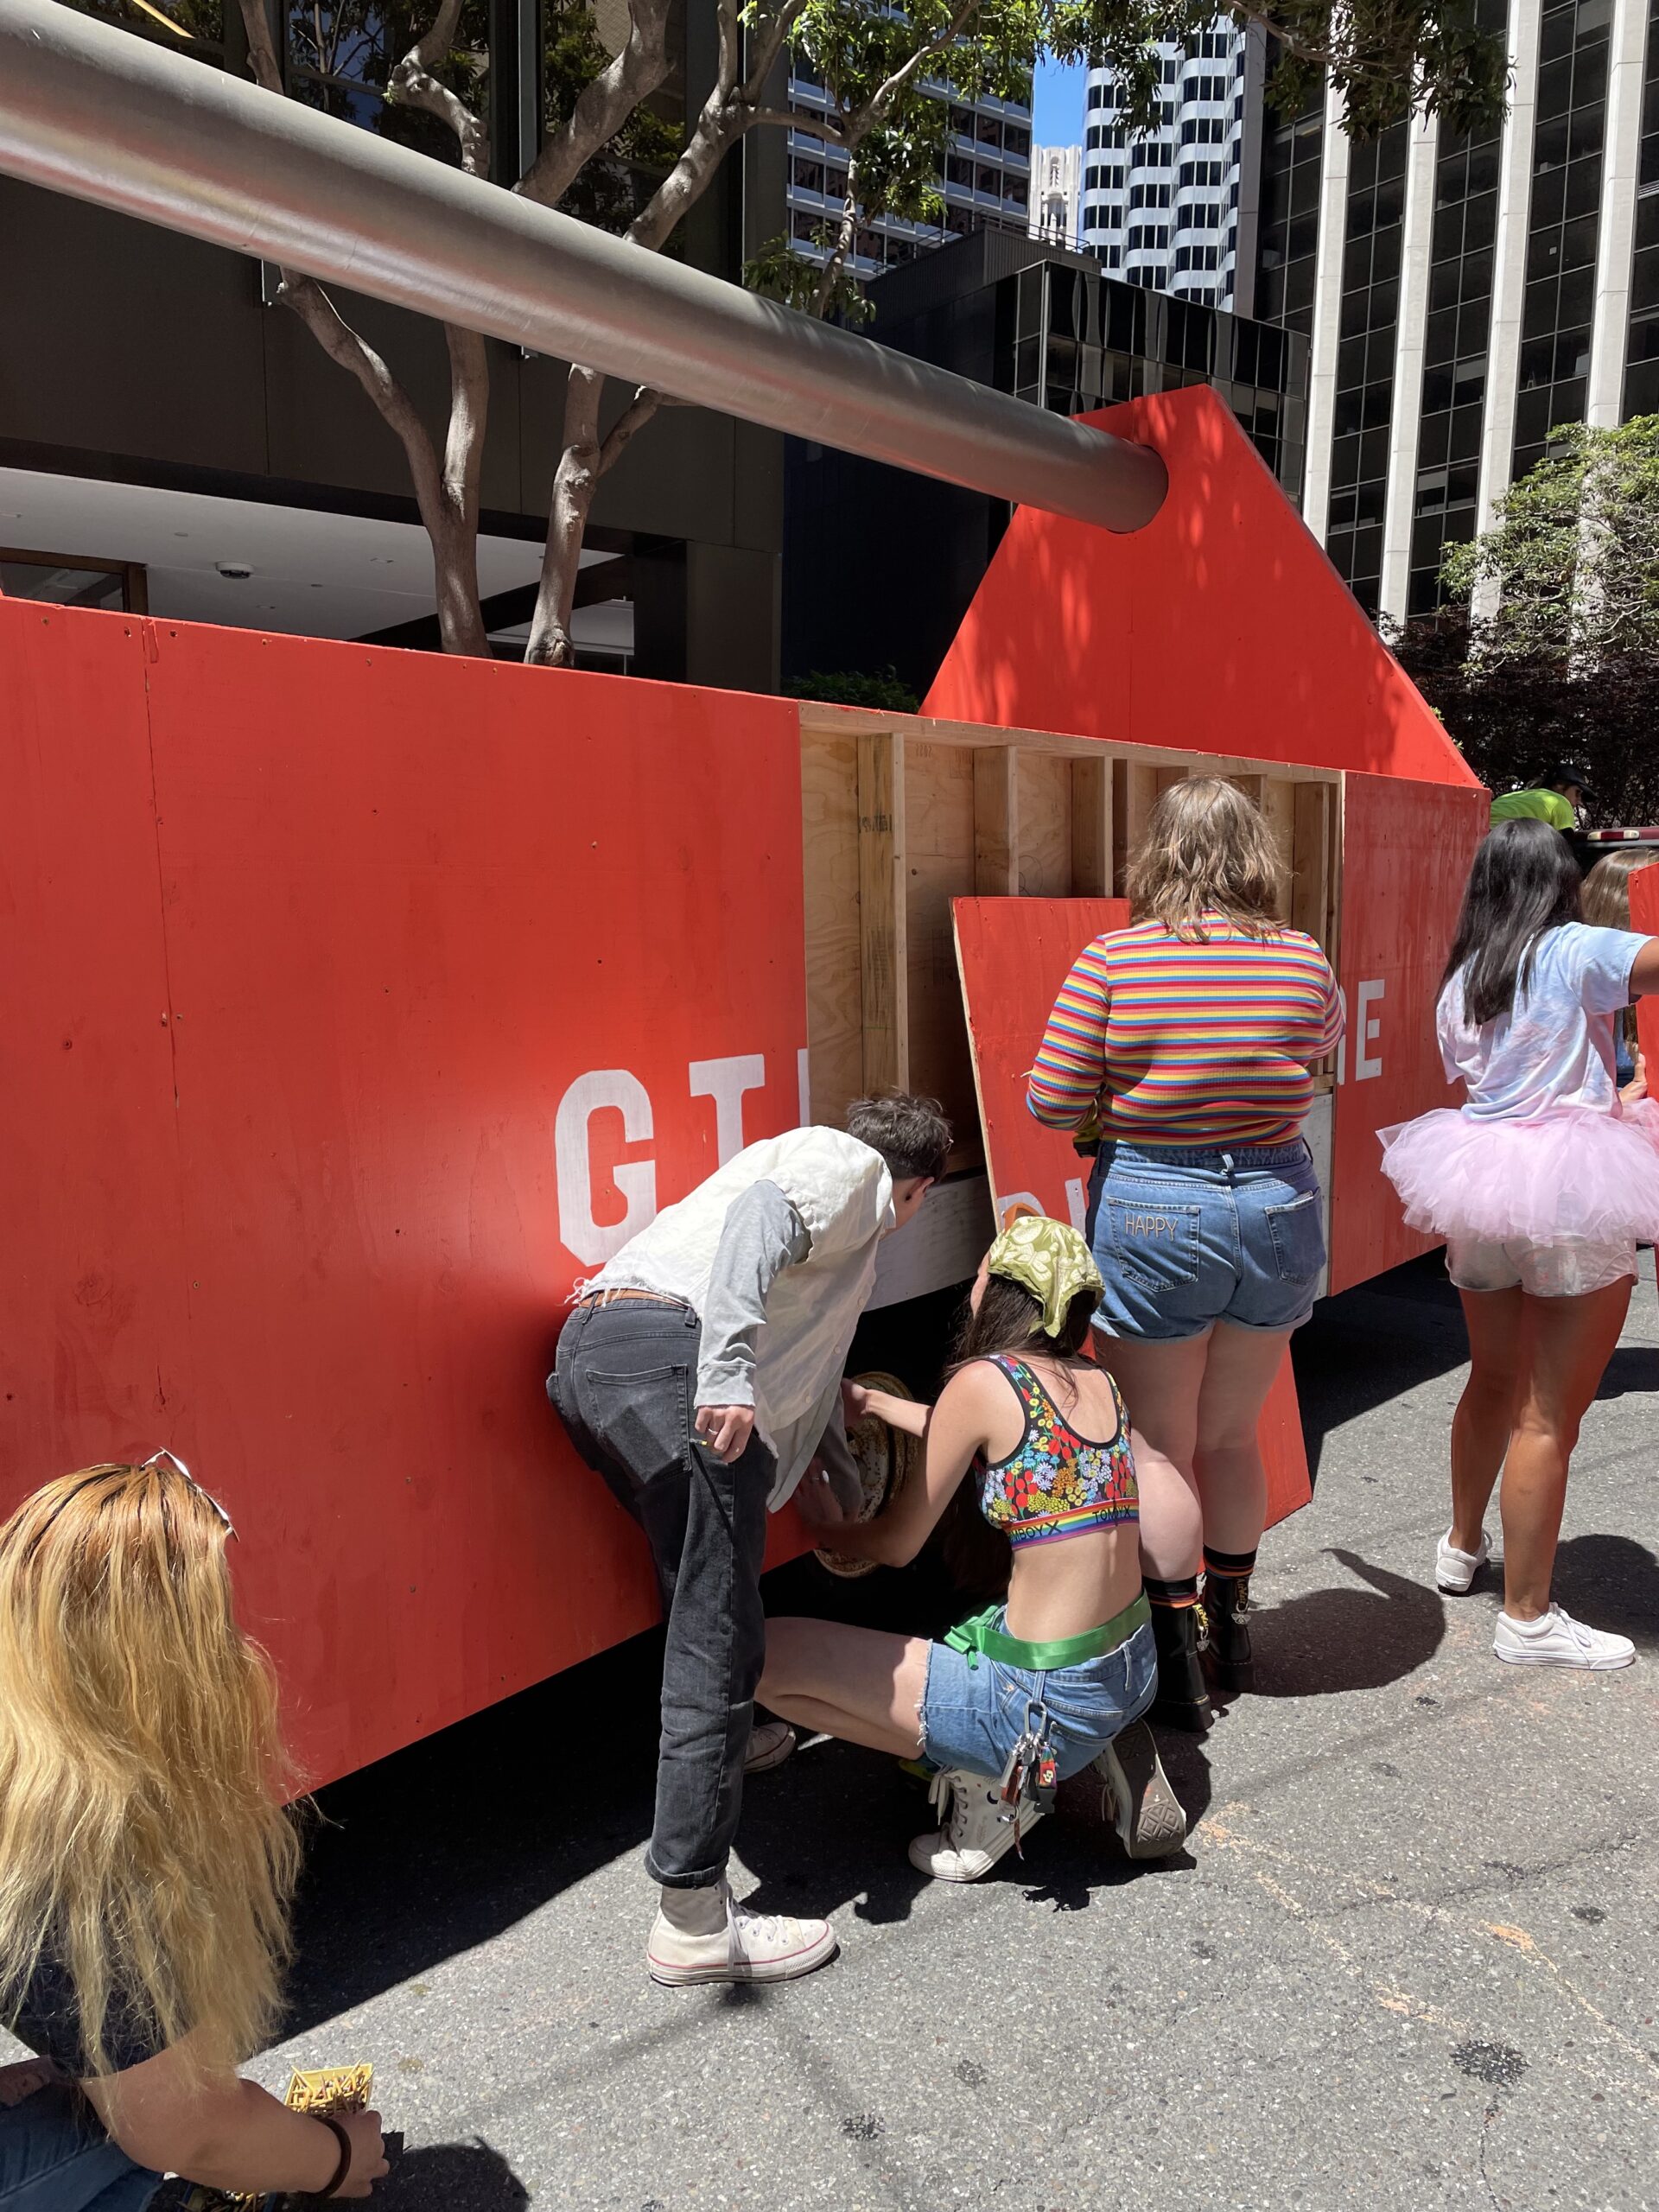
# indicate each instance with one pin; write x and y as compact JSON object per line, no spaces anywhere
{"x":633,"y":1297}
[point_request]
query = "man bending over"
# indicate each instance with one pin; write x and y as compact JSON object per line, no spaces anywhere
{"x":700,"y":1375}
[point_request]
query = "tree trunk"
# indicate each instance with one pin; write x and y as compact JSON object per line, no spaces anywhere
{"x":574,"y":487}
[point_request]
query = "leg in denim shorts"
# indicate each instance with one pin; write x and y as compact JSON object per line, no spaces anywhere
{"x":1186,"y":1237}
{"x":975,"y":1709}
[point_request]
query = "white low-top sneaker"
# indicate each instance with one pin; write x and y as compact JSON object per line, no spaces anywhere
{"x":1144,"y":1810}
{"x":978,"y":1828}
{"x":1454,"y":1570}
{"x":751,"y":1947}
{"x":770,"y":1743}
{"x":1557,"y":1640}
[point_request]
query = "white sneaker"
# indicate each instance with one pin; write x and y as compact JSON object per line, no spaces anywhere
{"x":1145,"y":1810}
{"x":978,"y":1830}
{"x":1557,"y":1640}
{"x":751,"y":1947}
{"x":770,"y":1743}
{"x":1454,"y":1570}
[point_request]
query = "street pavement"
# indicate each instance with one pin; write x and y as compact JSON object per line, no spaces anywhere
{"x":1409,"y":1957}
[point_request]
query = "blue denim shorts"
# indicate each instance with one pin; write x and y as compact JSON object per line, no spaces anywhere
{"x":1185,"y":1237}
{"x":975,"y":1709}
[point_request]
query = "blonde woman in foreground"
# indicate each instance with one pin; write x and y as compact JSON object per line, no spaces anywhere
{"x":146,"y":1862}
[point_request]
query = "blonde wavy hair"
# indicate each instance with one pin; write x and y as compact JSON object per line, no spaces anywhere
{"x":144,"y":1850}
{"x":1606,"y":900}
{"x":1207,"y":850}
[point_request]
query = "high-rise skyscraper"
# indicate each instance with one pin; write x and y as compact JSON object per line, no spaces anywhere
{"x":1166,"y":206}
{"x":1056,"y":194}
{"x":986,"y":185}
{"x":1466,"y":294}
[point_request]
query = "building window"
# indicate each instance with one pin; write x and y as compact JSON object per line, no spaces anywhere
{"x":1641,"y":349}
{"x":1567,"y":164}
{"x":202,"y":23}
{"x":1367,"y":332}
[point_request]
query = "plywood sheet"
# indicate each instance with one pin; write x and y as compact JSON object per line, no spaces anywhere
{"x":835,"y":998}
{"x":1015,"y":955}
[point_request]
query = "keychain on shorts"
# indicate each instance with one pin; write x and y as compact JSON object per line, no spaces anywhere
{"x":1031,"y":1773}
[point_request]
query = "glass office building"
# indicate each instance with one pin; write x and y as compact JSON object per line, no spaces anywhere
{"x":1464,"y":295}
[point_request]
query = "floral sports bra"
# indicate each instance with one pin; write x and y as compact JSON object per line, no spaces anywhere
{"x":1056,"y":1483}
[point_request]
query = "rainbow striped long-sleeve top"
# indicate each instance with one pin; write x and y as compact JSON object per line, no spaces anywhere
{"x":1177,"y":1042}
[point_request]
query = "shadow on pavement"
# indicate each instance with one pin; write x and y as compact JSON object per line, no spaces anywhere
{"x":1329,"y":1642}
{"x":1632,"y":1367}
{"x":1612,"y":1582}
{"x":1408,"y":1325}
{"x":451,"y":2177}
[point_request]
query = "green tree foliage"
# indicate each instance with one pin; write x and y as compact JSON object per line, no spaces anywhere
{"x":1550,"y":644}
{"x":848,"y":687}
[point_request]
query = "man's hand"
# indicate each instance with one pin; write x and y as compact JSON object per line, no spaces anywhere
{"x":726,"y":1430}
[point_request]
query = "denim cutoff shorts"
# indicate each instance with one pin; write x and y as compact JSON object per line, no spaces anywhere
{"x":1185,"y":1236}
{"x":975,"y":1709}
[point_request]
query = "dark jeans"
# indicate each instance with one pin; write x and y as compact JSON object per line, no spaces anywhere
{"x":625,"y":1386}
{"x":55,"y":2157}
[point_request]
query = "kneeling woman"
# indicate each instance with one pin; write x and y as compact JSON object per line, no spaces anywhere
{"x":1069,"y":1664}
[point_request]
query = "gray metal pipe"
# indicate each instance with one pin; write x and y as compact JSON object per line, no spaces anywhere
{"x":93,"y":111}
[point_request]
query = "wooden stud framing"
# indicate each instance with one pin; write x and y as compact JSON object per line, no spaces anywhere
{"x":996,"y":822}
{"x":1311,"y":880}
{"x":882,"y":929}
{"x":1134,"y":790}
{"x":1092,"y":827}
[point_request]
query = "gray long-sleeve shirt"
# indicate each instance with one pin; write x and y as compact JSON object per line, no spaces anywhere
{"x":763,"y":1235}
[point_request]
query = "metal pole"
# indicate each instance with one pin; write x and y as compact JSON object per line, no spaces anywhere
{"x":93,"y":111}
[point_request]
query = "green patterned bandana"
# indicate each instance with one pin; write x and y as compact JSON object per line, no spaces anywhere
{"x":1048,"y":1259}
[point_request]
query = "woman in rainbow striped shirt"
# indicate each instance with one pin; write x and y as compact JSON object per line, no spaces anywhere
{"x":1187,"y":1041}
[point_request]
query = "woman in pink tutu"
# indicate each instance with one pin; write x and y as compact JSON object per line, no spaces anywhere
{"x":1542,"y":1185}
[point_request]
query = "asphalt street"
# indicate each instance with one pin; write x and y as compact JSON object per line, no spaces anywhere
{"x":1409,"y":1957}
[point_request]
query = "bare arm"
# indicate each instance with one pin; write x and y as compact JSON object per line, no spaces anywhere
{"x":170,"y":2116}
{"x":956,"y":1430}
{"x":1644,"y":973}
{"x":908,"y":1415}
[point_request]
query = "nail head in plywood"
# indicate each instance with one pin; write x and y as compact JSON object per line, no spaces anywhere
{"x":1092,"y":827}
{"x":883,"y":931}
{"x":996,"y":822}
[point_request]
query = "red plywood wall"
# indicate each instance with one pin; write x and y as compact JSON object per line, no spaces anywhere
{"x":1406,"y":851}
{"x":1014,"y":953}
{"x":1220,"y":627}
{"x":355,"y":1002}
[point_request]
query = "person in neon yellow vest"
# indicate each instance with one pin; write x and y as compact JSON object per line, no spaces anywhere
{"x":1555,"y":798}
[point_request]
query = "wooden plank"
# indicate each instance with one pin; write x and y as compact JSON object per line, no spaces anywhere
{"x":941,"y":792}
{"x":1277,"y":801}
{"x":996,"y":821}
{"x":1166,"y":777}
{"x":1092,"y":827}
{"x":1134,"y":791}
{"x":1310,"y":886}
{"x":882,"y":922}
{"x":1045,"y":780}
{"x":835,"y":989}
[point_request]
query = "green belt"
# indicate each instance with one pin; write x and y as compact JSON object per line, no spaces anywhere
{"x":980,"y":1634}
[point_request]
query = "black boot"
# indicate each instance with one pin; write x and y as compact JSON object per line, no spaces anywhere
{"x":1227,"y":1635}
{"x":1182,"y":1699}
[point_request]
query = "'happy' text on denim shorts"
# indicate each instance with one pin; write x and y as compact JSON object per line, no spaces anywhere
{"x":1186,"y":1237}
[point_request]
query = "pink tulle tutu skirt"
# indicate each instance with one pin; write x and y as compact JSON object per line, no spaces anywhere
{"x":1573,"y":1174}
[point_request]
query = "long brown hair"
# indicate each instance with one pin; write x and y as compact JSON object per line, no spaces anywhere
{"x":1605,"y":898}
{"x":1207,"y":850}
{"x":144,"y":1851}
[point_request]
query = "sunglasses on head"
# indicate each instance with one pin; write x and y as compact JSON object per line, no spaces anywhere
{"x":179,"y":1468}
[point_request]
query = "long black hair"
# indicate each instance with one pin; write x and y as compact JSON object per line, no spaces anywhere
{"x":1523,"y":884}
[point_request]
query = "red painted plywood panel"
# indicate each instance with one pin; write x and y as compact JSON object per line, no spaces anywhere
{"x":1406,"y":851}
{"x":1014,"y":953}
{"x":467,"y":969}
{"x":1644,"y":916}
{"x":94,"y":1361}
{"x":1220,"y":627}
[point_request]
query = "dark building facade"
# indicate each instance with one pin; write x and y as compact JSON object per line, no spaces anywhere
{"x":881,"y":566}
{"x":168,"y":438}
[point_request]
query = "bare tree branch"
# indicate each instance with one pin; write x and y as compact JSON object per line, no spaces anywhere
{"x":632,"y":419}
{"x":413,"y":85}
{"x":604,"y":106}
{"x":263,"y":65}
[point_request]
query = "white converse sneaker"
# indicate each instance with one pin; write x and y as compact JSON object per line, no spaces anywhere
{"x":1454,"y":1570}
{"x":1557,"y":1640}
{"x":751,"y":1947}
{"x":976,"y":1833}
{"x":770,"y":1743}
{"x":1145,"y":1810}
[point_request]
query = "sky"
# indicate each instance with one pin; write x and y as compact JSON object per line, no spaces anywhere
{"x":1056,"y":103}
